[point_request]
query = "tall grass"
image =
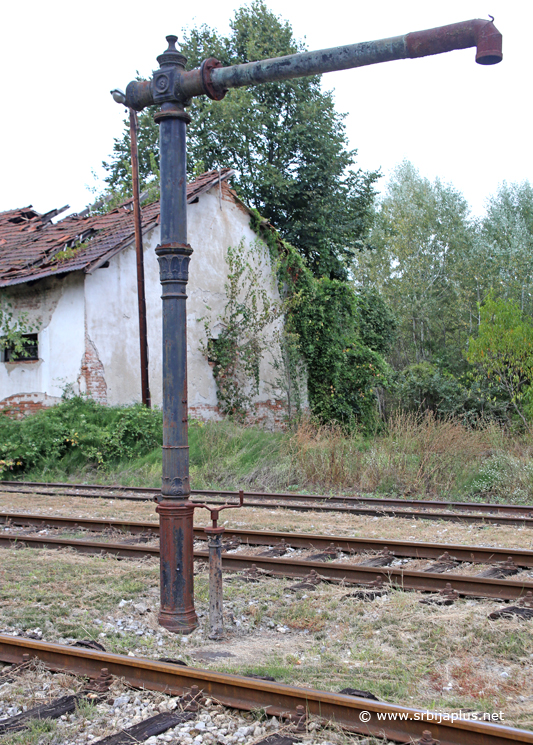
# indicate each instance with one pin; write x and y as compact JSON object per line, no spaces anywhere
{"x":419,"y":456}
{"x":416,"y":456}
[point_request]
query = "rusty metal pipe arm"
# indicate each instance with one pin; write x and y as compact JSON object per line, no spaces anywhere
{"x":213,"y":80}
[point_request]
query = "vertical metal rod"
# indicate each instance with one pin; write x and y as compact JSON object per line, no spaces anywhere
{"x":177,"y":612}
{"x":143,"y":335}
{"x":216,"y":621}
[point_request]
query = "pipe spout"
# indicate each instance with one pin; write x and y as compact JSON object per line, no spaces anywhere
{"x":214,"y":80}
{"x":476,"y":33}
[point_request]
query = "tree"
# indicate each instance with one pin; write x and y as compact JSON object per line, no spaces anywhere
{"x":505,"y":245}
{"x":421,"y":241}
{"x":504,"y":349}
{"x":285,"y":140}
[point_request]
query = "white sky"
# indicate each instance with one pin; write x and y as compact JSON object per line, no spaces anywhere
{"x":466,"y":123}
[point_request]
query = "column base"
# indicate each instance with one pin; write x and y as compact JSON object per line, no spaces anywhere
{"x":176,"y":612}
{"x":178,"y":623}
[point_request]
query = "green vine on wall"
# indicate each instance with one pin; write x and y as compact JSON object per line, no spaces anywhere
{"x":340,"y":335}
{"x":332,"y":338}
{"x":236,"y":352}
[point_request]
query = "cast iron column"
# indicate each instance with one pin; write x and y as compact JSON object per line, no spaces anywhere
{"x":177,"y":612}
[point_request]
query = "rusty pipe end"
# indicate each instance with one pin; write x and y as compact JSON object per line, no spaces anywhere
{"x":475,"y":33}
{"x":139,"y":95}
{"x":489,"y":45}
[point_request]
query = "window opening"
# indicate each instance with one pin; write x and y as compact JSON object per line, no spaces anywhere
{"x":31,"y":350}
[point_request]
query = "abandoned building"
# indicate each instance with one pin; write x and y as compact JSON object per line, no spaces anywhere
{"x":75,"y":282}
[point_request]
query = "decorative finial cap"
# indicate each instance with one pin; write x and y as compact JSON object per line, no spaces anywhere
{"x":172,"y":56}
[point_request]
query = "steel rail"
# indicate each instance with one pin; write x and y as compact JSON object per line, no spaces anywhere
{"x":400,"y":549}
{"x":519,"y":509}
{"x":517,"y":521}
{"x":276,"y":699}
{"x":472,"y":586}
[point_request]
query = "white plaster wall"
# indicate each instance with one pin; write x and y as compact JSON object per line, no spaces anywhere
{"x":112,"y":323}
{"x":214,"y":225}
{"x":57,"y":306}
{"x":111,"y":304}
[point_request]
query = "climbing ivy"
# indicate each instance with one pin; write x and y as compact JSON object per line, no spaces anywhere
{"x":341,"y":335}
{"x":332,"y":336}
{"x":236,"y":352}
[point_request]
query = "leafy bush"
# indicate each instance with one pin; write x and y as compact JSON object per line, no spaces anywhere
{"x":77,"y":432}
{"x":423,"y":387}
{"x":502,"y":477}
{"x":473,"y":398}
{"x":503,"y":349}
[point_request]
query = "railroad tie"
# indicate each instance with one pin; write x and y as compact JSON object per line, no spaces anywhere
{"x":53,"y":710}
{"x":523,"y":609}
{"x":444,"y":563}
{"x":150,"y":727}
{"x":501,"y":570}
{"x":276,"y":551}
{"x":373,"y":590}
{"x":385,"y":558}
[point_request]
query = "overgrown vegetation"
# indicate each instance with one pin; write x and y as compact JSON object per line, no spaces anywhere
{"x":417,"y":455}
{"x":76,"y":434}
{"x":239,"y":346}
{"x":461,"y":292}
{"x":339,"y":334}
{"x":503,"y":349}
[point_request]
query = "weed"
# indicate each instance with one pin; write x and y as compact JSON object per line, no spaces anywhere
{"x":85,"y":708}
{"x":39,"y":732}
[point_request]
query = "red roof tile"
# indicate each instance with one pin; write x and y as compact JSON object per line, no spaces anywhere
{"x":31,"y":247}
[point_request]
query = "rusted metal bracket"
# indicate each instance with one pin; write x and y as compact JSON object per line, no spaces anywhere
{"x":299,"y":719}
{"x":205,"y":68}
{"x":101,"y":684}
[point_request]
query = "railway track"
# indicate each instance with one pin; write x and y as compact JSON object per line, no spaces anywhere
{"x":506,"y":514}
{"x":332,"y":571}
{"x":396,"y":723}
{"x":400,"y":549}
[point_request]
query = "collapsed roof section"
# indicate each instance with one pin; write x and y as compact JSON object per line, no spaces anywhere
{"x":33,"y":247}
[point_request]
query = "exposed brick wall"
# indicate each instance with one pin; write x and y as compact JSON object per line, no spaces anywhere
{"x":22,"y":404}
{"x":270,"y":414}
{"x":205,"y":413}
{"x":92,"y":374}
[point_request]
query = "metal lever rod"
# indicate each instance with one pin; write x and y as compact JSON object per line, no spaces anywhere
{"x":214,"y":542}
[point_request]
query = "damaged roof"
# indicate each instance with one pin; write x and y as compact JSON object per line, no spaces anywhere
{"x":33,"y":247}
